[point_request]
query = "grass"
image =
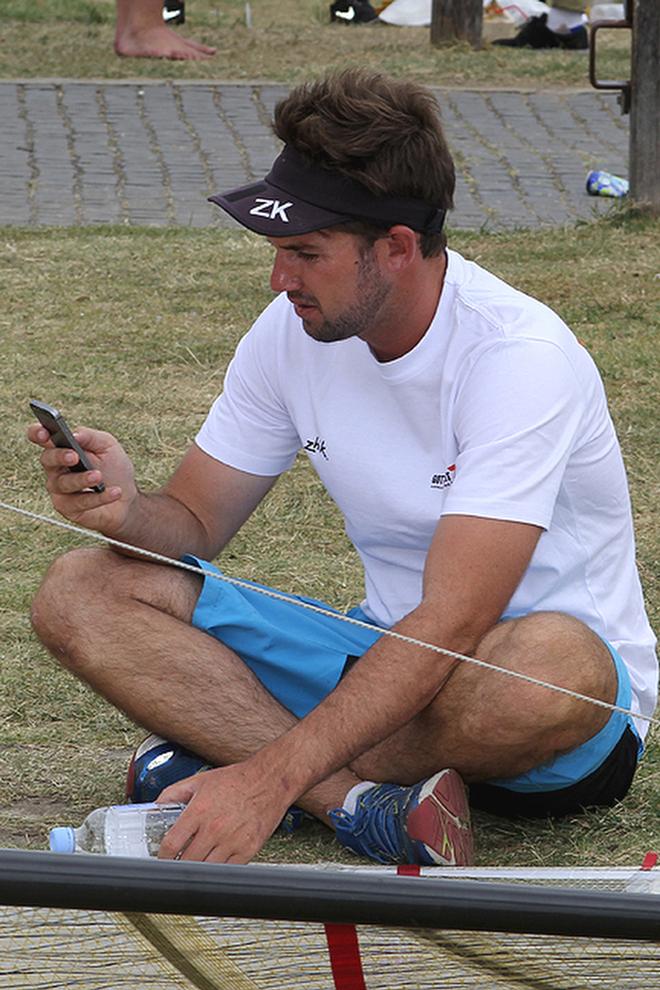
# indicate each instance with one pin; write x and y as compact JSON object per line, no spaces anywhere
{"x":290,"y":40}
{"x":100,"y":323}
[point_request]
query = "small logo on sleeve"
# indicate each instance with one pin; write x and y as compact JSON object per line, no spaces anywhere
{"x":316,"y":446}
{"x":445,"y":479}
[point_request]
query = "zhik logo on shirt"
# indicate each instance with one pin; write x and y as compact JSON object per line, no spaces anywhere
{"x":316,"y":446}
{"x":445,"y":478}
{"x":271,"y":209}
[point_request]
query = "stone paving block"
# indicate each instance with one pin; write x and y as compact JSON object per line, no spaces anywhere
{"x":242,"y":111}
{"x":270,"y":96}
{"x":138,"y":165}
{"x":92,"y":154}
{"x":181,"y":165}
{"x":15,"y":169}
{"x":53,"y":179}
{"x":225,"y":161}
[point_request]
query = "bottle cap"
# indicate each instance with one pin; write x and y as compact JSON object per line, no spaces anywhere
{"x":62,"y":840}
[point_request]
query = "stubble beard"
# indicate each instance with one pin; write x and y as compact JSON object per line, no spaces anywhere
{"x":358,"y":319}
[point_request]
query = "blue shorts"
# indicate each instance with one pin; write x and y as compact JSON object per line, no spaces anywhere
{"x":297,"y":654}
{"x":300,"y":655}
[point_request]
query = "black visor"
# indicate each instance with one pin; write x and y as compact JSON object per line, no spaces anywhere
{"x":297,"y":197}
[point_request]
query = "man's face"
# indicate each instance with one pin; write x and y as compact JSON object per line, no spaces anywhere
{"x":334,"y":282}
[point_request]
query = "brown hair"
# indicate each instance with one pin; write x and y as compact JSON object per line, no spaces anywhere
{"x":383,"y":132}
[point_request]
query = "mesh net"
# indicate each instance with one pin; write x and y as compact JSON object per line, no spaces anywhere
{"x":45,"y":949}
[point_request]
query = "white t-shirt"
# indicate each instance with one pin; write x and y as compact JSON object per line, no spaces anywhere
{"x":497,"y":412}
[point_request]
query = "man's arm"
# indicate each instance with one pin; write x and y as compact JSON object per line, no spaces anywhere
{"x":473,"y":568}
{"x":200,"y":508}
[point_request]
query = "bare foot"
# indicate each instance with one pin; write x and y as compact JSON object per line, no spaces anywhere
{"x":160,"y":42}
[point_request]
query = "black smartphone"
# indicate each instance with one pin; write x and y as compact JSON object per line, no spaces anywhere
{"x":62,"y":436}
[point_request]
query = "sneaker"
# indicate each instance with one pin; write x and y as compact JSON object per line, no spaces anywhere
{"x":533,"y":34}
{"x":352,"y":12}
{"x":427,"y":824}
{"x":157,"y":763}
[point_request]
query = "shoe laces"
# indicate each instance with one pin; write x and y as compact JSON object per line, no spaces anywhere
{"x":377,"y":826}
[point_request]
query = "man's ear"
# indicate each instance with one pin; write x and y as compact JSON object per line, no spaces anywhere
{"x":399,"y":248}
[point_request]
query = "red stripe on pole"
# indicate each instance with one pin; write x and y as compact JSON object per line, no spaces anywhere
{"x":344,"y":952}
{"x":408,"y":870}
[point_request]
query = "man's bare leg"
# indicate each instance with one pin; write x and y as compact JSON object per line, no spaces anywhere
{"x":141,"y":33}
{"x":489,"y":725}
{"x":124,"y":627}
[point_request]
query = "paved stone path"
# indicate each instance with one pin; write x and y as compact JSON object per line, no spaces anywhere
{"x":149,"y":153}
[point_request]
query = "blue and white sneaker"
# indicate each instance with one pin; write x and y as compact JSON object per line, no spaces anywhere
{"x":428,"y":823}
{"x":157,"y":763}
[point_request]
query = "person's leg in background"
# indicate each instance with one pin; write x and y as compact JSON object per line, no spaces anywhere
{"x":141,"y":33}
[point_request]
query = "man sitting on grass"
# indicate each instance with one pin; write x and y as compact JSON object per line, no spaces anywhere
{"x":464,"y":434}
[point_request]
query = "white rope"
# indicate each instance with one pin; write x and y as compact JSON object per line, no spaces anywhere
{"x":270,"y":593}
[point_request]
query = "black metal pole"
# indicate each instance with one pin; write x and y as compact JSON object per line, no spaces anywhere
{"x":108,"y":883}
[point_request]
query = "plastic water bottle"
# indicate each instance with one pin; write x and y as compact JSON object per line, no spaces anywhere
{"x":606,"y":184}
{"x":120,"y":830}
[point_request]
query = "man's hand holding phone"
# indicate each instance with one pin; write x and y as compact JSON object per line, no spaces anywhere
{"x":88,"y":474}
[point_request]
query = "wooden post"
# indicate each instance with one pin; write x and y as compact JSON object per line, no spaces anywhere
{"x":457,"y":20}
{"x":645,"y":105}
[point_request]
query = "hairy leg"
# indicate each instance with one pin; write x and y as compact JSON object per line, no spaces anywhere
{"x":123,"y":626}
{"x":486,"y":724}
{"x":141,"y":33}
